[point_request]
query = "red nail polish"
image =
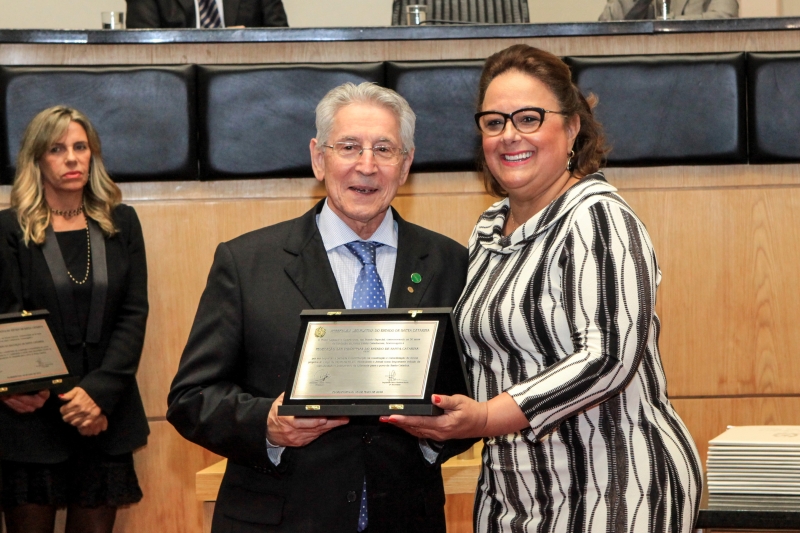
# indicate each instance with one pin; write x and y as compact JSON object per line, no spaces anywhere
{"x":384,"y":419}
{"x":437,"y":399}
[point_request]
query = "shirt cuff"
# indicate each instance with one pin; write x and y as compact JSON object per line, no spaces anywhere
{"x":430,"y":449}
{"x":274,"y":452}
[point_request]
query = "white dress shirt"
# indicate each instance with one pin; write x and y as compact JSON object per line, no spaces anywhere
{"x":346,"y":267}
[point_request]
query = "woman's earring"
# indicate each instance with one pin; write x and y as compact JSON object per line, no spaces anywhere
{"x":569,"y":161}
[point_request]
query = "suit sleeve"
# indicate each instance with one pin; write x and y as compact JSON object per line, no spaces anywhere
{"x":206,"y":404}
{"x":142,"y":14}
{"x":273,"y":13}
{"x":118,"y":369}
{"x":609,"y":279}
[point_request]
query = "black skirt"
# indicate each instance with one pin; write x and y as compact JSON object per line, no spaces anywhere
{"x":87,"y":479}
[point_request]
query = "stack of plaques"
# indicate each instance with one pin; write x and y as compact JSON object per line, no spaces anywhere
{"x":755,"y":467}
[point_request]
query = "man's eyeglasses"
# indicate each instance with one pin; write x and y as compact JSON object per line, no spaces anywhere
{"x":526,"y":120}
{"x":385,"y":154}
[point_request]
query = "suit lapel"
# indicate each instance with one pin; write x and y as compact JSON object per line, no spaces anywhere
{"x":412,"y":251}
{"x":188,"y":7}
{"x":310,"y":269}
{"x":231,"y":10}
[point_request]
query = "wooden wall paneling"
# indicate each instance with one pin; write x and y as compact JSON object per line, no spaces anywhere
{"x":451,"y":215}
{"x":728,"y":298}
{"x":726,"y":238}
{"x":458,"y":512}
{"x":356,"y":51}
{"x":703,"y":177}
{"x":708,"y":417}
{"x":166,"y":468}
{"x":181,"y":238}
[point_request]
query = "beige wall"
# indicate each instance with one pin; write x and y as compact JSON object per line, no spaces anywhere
{"x":790,"y":8}
{"x":85,"y":14}
{"x":56,"y":14}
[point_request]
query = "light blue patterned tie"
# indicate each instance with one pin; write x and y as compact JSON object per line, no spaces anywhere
{"x":363,"y":519}
{"x":368,"y":294}
{"x":209,"y":14}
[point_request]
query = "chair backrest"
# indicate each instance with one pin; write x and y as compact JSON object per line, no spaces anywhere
{"x":145,"y":115}
{"x":773,"y":91}
{"x":442,"y":95}
{"x":479,"y":11}
{"x":669,"y":109}
{"x":257,"y":120}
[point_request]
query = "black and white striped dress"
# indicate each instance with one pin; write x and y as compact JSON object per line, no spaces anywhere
{"x":561,"y":315}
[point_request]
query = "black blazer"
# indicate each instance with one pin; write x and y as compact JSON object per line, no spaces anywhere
{"x":237,"y":360}
{"x":42,"y":437}
{"x":181,"y":13}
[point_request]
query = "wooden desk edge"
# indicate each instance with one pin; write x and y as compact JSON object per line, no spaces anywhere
{"x":460,"y":477}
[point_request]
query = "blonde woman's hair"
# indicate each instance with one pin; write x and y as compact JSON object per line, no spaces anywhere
{"x":100,"y":196}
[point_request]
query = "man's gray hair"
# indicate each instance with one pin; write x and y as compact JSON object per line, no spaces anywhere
{"x":365,"y":93}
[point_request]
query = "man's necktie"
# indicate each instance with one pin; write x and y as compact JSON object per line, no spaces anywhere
{"x":368,"y":294}
{"x":209,"y":14}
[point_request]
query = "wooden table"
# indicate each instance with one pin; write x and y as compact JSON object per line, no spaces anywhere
{"x":460,"y":476}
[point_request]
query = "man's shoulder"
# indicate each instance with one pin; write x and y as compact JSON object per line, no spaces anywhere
{"x":273,"y":237}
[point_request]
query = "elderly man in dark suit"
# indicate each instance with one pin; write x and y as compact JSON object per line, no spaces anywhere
{"x":204,"y":13}
{"x":318,"y":474}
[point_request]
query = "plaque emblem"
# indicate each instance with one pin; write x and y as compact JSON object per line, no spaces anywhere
{"x":319,"y":332}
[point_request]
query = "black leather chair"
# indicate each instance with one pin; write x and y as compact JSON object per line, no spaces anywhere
{"x":773,"y":95}
{"x":476,"y":11}
{"x":669,"y":110}
{"x":145,"y":115}
{"x":257,"y":120}
{"x":443,"y":95}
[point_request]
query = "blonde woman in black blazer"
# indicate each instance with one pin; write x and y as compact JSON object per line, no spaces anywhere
{"x":69,"y":246}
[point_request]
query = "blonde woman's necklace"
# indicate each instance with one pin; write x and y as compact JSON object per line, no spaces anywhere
{"x":88,"y":257}
{"x":67,"y":213}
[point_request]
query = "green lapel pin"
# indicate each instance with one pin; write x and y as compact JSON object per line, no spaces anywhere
{"x":416,"y":278}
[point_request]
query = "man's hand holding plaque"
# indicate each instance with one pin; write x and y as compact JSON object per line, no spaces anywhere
{"x":295,"y":431}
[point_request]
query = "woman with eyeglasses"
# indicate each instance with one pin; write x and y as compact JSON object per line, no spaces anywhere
{"x":69,"y":246}
{"x":559,"y":328}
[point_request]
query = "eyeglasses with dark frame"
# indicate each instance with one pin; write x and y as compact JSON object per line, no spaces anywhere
{"x":384,"y":153}
{"x":526,"y":120}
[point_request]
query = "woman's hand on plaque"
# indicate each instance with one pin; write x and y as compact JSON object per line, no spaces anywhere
{"x":463,"y":418}
{"x":297,"y":431}
{"x":26,"y":403}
